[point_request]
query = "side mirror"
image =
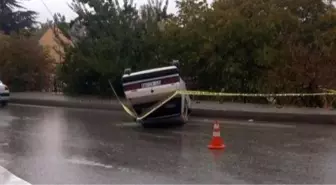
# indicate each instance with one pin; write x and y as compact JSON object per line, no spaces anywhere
{"x":127,"y":71}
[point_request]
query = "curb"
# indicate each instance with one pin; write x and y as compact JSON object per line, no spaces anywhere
{"x":267,"y":117}
{"x":68,"y":104}
{"x":226,"y":114}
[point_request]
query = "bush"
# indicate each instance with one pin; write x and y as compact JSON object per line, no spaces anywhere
{"x":25,"y":66}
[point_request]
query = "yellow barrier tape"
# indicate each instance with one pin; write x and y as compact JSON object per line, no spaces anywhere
{"x":132,"y":113}
{"x":157,"y":106}
{"x":208,"y":93}
{"x":128,"y":110}
{"x":329,"y":90}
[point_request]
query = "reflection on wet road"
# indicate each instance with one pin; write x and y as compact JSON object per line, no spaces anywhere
{"x":71,"y":146}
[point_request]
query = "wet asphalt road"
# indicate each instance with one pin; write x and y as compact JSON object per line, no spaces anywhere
{"x":45,"y":145}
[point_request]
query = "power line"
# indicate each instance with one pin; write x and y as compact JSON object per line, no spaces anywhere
{"x":50,"y":12}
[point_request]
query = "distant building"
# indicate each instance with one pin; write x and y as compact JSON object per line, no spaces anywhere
{"x":53,"y":40}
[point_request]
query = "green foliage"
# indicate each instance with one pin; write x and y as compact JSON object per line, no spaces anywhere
{"x":25,"y":66}
{"x":117,"y":37}
{"x":229,"y":45}
{"x":14,"y":18}
{"x":62,"y":24}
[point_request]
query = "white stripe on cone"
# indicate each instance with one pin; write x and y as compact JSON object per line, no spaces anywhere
{"x":216,"y":134}
{"x":7,"y":178}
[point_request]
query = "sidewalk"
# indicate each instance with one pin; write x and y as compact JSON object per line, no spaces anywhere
{"x":201,"y":109}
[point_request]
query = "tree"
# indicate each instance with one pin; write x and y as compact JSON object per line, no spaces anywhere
{"x":116,"y":37}
{"x":221,"y":45}
{"x":308,"y":58}
{"x":25,"y":66}
{"x":230,"y":45}
{"x":62,"y":25}
{"x":13,"y":17}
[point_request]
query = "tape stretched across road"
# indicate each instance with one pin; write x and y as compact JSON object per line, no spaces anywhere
{"x":133,"y":114}
{"x":157,"y":106}
{"x":330,"y":90}
{"x":208,"y":93}
{"x":129,"y":111}
{"x":7,"y":178}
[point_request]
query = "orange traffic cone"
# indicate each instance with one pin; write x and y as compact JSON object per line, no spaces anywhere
{"x":216,"y":142}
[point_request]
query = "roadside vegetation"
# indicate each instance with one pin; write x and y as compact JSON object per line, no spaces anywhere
{"x":24,"y":65}
{"x":250,"y":46}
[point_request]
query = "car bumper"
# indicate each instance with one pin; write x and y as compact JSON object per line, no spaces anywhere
{"x":4,"y":96}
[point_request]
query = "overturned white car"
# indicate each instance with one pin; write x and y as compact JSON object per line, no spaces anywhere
{"x":146,"y":88}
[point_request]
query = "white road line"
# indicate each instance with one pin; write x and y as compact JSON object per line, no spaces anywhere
{"x":185,"y":133}
{"x":127,"y":124}
{"x":3,"y":144}
{"x":7,"y":118}
{"x":83,"y":161}
{"x":7,"y":178}
{"x":157,"y":135}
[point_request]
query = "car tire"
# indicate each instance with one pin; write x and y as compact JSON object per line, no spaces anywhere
{"x":146,"y":125}
{"x":142,"y":123}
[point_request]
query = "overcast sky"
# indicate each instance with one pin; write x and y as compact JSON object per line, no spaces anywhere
{"x":61,"y":6}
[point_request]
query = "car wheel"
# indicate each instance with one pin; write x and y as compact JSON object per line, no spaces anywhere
{"x":143,"y":123}
{"x":146,"y":125}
